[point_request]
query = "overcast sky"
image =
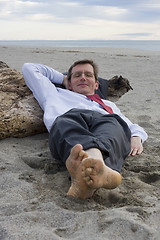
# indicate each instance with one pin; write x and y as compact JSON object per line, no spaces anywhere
{"x":81,"y":19}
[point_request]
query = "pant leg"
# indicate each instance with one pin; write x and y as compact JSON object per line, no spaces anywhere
{"x":114,"y":135}
{"x":70,"y":129}
{"x":109,"y":133}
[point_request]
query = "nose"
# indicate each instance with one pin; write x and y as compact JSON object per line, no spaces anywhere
{"x":83,"y":76}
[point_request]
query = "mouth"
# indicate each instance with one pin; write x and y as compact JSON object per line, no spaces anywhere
{"x":82,"y":84}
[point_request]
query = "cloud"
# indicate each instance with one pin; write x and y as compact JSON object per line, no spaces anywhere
{"x":109,"y":18}
{"x":16,"y":9}
{"x":141,"y":34}
{"x":73,"y":11}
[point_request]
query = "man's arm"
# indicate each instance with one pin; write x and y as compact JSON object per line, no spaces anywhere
{"x":40,"y":78}
{"x":138,"y":135}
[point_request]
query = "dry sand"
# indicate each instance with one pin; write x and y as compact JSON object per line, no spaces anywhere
{"x":33,"y":202}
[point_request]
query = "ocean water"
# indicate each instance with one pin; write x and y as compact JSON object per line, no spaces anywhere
{"x":151,"y":45}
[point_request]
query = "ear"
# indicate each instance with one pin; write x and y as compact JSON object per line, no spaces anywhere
{"x":96,"y":85}
{"x":69,"y":87}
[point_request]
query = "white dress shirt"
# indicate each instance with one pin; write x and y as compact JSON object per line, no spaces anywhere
{"x":56,"y":101}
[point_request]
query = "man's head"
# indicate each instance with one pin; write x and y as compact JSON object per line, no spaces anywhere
{"x":83,"y":77}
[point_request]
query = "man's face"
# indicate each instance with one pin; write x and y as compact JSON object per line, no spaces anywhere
{"x":83,"y":80}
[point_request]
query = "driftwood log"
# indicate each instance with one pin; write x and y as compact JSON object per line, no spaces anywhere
{"x":20,"y":114}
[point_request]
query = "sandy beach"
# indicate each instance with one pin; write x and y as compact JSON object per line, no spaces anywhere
{"x":33,"y":201}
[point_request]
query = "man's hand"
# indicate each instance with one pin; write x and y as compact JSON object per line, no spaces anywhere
{"x":65,"y":82}
{"x":136,"y":146}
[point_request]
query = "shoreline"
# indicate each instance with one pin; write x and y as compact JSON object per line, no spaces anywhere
{"x":152,"y":45}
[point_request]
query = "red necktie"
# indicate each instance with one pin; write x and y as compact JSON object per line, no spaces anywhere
{"x":96,"y":98}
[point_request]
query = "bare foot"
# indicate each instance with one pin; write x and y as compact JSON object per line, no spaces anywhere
{"x":78,"y":188}
{"x":97,"y":175}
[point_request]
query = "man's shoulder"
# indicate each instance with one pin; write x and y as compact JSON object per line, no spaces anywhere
{"x":103,"y":88}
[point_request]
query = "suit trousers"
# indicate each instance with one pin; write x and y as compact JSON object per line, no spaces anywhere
{"x":109,"y":133}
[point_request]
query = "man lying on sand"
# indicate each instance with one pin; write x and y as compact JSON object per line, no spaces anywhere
{"x":92,"y":140}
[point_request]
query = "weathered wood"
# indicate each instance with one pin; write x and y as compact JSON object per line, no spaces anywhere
{"x":20,"y":114}
{"x":117,"y":86}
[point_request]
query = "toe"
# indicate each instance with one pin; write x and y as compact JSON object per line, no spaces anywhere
{"x":90,"y":182}
{"x":88,"y":171}
{"x":89,"y":162}
{"x":81,"y":153}
{"x":76,"y":150}
{"x":87,"y":179}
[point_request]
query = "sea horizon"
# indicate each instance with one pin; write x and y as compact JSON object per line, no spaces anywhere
{"x":151,"y":45}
